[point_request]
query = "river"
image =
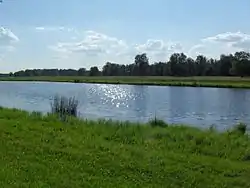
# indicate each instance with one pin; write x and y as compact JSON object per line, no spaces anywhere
{"x":198,"y":106}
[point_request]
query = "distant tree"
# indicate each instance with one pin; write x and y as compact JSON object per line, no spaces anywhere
{"x":141,"y":64}
{"x":94,"y":71}
{"x":202,"y":65}
{"x":241,"y":64}
{"x":191,"y":68}
{"x":81,"y":72}
{"x":225,"y":64}
{"x":179,"y":64}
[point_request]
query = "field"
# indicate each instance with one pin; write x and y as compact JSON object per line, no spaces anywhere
{"x":224,"y":82}
{"x":41,"y":151}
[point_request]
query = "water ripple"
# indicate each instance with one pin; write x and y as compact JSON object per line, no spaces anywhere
{"x":197,"y":106}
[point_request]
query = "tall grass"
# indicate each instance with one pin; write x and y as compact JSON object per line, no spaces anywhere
{"x":64,"y":106}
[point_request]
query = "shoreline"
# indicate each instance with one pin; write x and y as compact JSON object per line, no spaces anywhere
{"x":221,"y":82}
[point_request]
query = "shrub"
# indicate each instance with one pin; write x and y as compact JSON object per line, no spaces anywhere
{"x":77,"y":81}
{"x":157,"y":123}
{"x":241,"y":128}
{"x":64,"y":106}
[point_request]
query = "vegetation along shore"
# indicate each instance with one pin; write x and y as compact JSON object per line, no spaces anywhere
{"x":206,"y":81}
{"x":229,"y":71}
{"x":64,"y":151}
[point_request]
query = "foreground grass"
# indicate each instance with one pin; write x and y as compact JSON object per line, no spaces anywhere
{"x":39,"y":151}
{"x":222,"y":82}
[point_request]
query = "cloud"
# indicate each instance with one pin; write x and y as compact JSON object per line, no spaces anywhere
{"x":56,"y":29}
{"x":93,"y":43}
{"x":228,"y":42}
{"x":152,"y":46}
{"x":237,"y":40}
{"x":156,"y":46}
{"x":7,"y":42}
{"x":158,"y":49}
{"x":42,"y":28}
{"x":196,"y":50}
{"x":96,"y":44}
{"x":7,"y":37}
{"x":227,"y":37}
{"x":242,"y":44}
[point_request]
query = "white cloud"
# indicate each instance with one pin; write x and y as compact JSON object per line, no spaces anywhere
{"x":226,"y":43}
{"x":227,"y":37}
{"x":196,"y":50}
{"x":93,"y":43}
{"x":238,"y":40}
{"x":7,"y":37}
{"x":159,"y":50}
{"x":158,"y":46}
{"x":42,"y":28}
{"x":242,"y":44}
{"x":7,"y":41}
{"x":152,"y":46}
{"x":57,"y":29}
{"x":101,"y":48}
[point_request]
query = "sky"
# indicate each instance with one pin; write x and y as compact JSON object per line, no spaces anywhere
{"x":85,"y":33}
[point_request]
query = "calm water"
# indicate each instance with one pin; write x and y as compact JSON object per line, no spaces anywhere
{"x":195,"y":106}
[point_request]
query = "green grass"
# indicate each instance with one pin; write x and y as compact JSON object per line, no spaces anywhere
{"x":222,"y":82}
{"x":42,"y":151}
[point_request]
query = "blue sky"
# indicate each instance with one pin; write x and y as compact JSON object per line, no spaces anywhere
{"x":78,"y":33}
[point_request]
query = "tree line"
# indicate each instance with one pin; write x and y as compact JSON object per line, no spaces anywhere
{"x":237,"y":64}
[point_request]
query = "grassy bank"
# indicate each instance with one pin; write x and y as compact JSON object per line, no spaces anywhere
{"x":222,"y":82}
{"x":41,"y":151}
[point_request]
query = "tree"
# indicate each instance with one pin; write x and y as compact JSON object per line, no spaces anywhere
{"x":225,"y":64}
{"x":241,"y":64}
{"x":81,"y":72}
{"x":94,"y":71}
{"x":141,"y":64}
{"x":179,"y":64}
{"x":201,"y":63}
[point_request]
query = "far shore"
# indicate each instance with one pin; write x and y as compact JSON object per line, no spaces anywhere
{"x":202,"y":81}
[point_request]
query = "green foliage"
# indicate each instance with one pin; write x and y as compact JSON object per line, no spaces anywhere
{"x":179,"y":64}
{"x":42,"y":151}
{"x":77,"y":81}
{"x":157,"y":123}
{"x":64,"y":106}
{"x":94,"y":71}
{"x":240,"y":128}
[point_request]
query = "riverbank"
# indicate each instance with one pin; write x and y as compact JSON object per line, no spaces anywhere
{"x":41,"y":151}
{"x":217,"y":82}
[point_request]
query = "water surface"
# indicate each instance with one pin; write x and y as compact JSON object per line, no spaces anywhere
{"x":189,"y":105}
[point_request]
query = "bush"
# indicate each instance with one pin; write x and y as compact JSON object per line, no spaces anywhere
{"x":77,"y":81}
{"x":241,"y":128}
{"x":157,"y":123}
{"x":64,"y":106}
